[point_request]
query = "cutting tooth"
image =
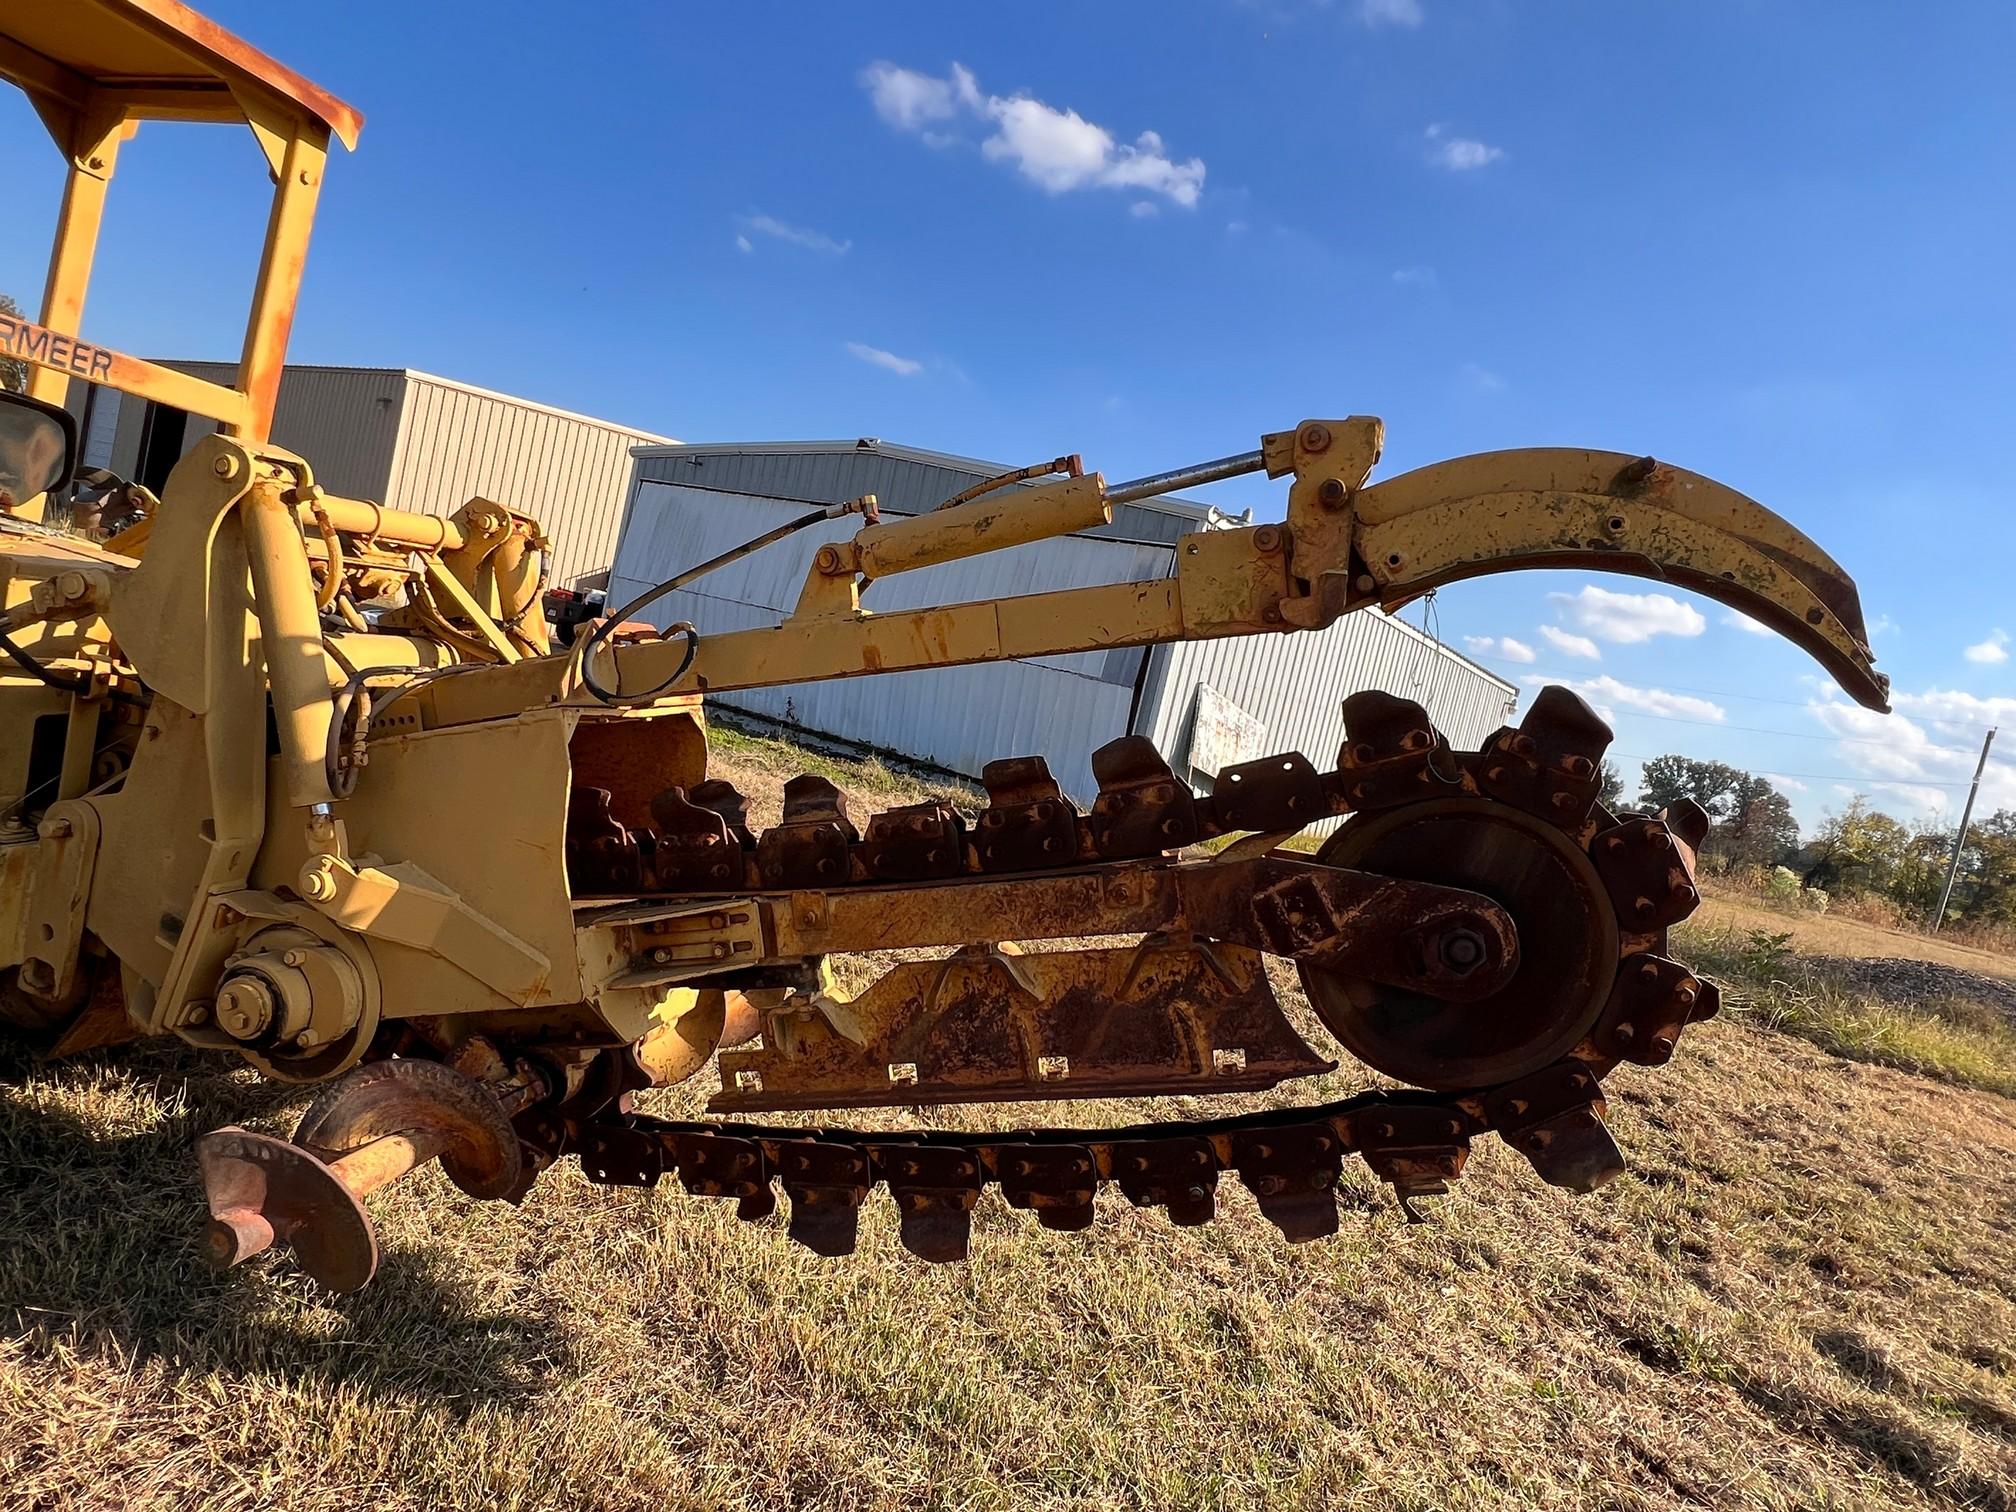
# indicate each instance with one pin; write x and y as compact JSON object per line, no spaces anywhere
{"x":1392,"y":753}
{"x":1292,"y":1173}
{"x":1143,"y":807}
{"x":1551,"y":766}
{"x":1028,"y":824}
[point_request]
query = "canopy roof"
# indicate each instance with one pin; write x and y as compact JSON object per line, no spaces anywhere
{"x":159,"y":57}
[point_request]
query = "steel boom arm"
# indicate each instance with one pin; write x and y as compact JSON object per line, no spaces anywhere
{"x":1346,"y":545}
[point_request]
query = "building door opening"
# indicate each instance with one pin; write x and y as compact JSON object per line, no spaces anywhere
{"x":161,"y":437}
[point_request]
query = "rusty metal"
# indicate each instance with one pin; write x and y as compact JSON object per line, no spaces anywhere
{"x":1143,"y":807}
{"x":693,"y":847}
{"x":1160,"y":1017}
{"x":602,"y":853}
{"x":1568,"y":946}
{"x":1551,"y":765}
{"x":1028,"y":823}
{"x":811,"y":847}
{"x":1274,"y":793}
{"x":1390,"y":753}
{"x":915,"y":843}
{"x":1648,"y":871}
{"x":1555,"y":1119}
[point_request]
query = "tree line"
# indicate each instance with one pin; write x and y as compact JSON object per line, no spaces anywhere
{"x":1859,"y":851}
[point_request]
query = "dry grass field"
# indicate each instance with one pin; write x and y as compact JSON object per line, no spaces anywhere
{"x":1803,"y":1296}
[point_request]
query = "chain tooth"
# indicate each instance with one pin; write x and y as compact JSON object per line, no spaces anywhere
{"x":1417,"y":1148}
{"x":693,"y":847}
{"x":1292,"y":1172}
{"x":1056,"y":1182}
{"x":725,"y":1165}
{"x":725,"y":799}
{"x":1555,"y":1119}
{"x":1179,"y":1174}
{"x":1652,"y":1001}
{"x":602,"y":852}
{"x":1143,"y":807}
{"x":915,"y":843}
{"x":827,"y":1182}
{"x":1392,"y":753}
{"x":1551,"y":766}
{"x":1028,"y":824}
{"x":1274,"y":793}
{"x":614,"y":1154}
{"x":811,"y":848}
{"x":935,"y":1188}
{"x":1648,"y":873}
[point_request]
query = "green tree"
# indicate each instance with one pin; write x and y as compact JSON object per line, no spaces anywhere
{"x":13,"y":371}
{"x":1754,"y":823}
{"x":1860,"y":849}
{"x":1610,"y":785}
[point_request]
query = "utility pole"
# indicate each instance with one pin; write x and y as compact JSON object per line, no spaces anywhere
{"x":1960,"y":840}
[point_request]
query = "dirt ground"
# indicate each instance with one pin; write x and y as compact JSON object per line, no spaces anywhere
{"x":1802,"y":1296}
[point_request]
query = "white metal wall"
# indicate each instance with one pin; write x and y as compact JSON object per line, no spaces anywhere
{"x":1062,"y":707}
{"x":411,"y":440}
{"x":567,"y":471}
{"x":1295,"y":685}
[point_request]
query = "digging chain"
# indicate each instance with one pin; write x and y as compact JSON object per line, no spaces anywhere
{"x":1290,"y":1160}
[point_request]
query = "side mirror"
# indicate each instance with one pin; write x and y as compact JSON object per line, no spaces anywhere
{"x":38,"y":448}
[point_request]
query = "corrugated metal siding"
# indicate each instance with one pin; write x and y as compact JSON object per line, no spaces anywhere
{"x":344,"y":421}
{"x":567,"y":471}
{"x":900,"y":485}
{"x":1063,"y":707}
{"x":1295,"y":684}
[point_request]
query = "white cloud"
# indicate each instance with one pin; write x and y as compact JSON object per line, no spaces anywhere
{"x":1956,"y":712}
{"x":1608,"y":693}
{"x":1481,"y":378}
{"x":1783,"y":783}
{"x":1459,"y":154}
{"x":1056,"y":149}
{"x":1882,"y":625}
{"x":1503,"y":647}
{"x":1625,"y":619}
{"x":904,"y":367}
{"x":1574,"y":645}
{"x":1417,"y":277}
{"x":907,"y":99}
{"x":1144,"y":209}
{"x":1390,"y":12}
{"x":1900,"y":757}
{"x":1991,"y":651}
{"x":1236,"y":228}
{"x":797,"y":236}
{"x":1737,"y":619}
{"x":743,"y":244}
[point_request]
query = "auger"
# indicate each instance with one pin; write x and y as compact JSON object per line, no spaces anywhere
{"x":298,"y":780}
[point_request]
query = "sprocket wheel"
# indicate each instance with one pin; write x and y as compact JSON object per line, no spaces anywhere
{"x":1568,"y":945}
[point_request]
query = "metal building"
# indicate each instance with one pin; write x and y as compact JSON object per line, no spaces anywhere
{"x":1205,"y":704}
{"x":407,"y":440}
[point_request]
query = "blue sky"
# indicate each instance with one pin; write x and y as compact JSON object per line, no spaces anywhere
{"x":1763,"y":239}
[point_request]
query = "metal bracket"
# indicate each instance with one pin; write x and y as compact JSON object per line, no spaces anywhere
{"x":401,"y":903}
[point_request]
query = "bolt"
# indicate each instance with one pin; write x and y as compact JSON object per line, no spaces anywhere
{"x":1267,"y":538}
{"x":1331,"y":493}
{"x":37,"y":976}
{"x":307,"y":1039}
{"x":225,"y":466}
{"x":1314,"y":437}
{"x":1271,"y":616}
{"x":660,"y":956}
{"x":54,"y":829}
{"x":1462,"y":951}
{"x":293,"y":958}
{"x":1657,"y":838}
{"x":318,"y":886}
{"x":1365,"y":582}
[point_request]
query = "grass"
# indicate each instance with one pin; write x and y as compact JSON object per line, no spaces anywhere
{"x":1802,"y":1296}
{"x":1767,"y":983}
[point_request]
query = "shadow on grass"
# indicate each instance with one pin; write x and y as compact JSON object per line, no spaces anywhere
{"x":98,"y":1250}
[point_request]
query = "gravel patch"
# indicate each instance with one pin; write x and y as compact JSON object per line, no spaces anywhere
{"x":1910,"y":983}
